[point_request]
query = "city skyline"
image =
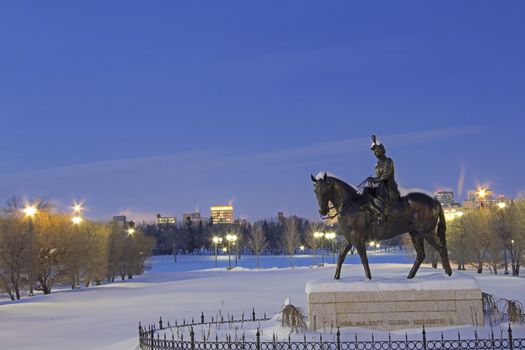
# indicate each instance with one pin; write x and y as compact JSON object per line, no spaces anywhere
{"x":146,"y":110}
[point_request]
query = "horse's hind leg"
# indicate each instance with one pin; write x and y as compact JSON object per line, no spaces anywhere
{"x":419,"y":246}
{"x":441,"y":249}
{"x":361,"y":250}
{"x":341,"y":259}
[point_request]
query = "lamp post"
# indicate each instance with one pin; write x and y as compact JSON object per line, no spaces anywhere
{"x":331,"y":236}
{"x":302,"y":249}
{"x":320,"y":235}
{"x":512,"y":257}
{"x":230,"y":238}
{"x":501,"y":207}
{"x":76,"y":219}
{"x":216,"y":240}
{"x":30,"y":211}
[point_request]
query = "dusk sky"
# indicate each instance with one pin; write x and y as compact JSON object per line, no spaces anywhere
{"x":167,"y":106}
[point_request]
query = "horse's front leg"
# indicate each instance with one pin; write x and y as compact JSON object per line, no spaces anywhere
{"x":361,"y":250}
{"x":341,"y":259}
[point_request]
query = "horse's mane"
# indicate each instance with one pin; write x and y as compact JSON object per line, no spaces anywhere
{"x":343,"y":184}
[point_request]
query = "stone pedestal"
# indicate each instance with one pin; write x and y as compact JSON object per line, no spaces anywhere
{"x":394,"y":303}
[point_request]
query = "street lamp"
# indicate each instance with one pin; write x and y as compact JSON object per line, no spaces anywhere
{"x":231,"y":239}
{"x":482,"y":192}
{"x":76,"y":220}
{"x":216,"y":240}
{"x":302,"y":249}
{"x":77,"y":208}
{"x":372,"y":244}
{"x":378,"y":246}
{"x":320,"y":235}
{"x":502,"y":206}
{"x":331,"y":236}
{"x":30,"y":211}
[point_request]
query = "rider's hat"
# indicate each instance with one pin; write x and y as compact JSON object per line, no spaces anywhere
{"x":376,"y":144}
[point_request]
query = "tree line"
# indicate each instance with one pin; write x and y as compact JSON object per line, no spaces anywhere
{"x":267,"y":236}
{"x":44,"y":249}
{"x":491,"y":237}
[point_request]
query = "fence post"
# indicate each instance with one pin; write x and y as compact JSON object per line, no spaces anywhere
{"x":192,"y":339}
{"x":160,"y":323}
{"x":258,"y":339}
{"x":338,"y":334}
{"x":424,"y":338}
{"x":202,"y":317}
{"x":253,"y":314}
{"x":152,"y":338}
{"x":511,"y":346}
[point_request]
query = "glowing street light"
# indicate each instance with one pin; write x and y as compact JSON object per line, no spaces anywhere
{"x":231,"y":239}
{"x":372,"y":244}
{"x":216,"y":240}
{"x":482,"y":193}
{"x":77,"y":208}
{"x":131,"y":231}
{"x":501,"y":205}
{"x":302,"y":248}
{"x":76,"y":220}
{"x":30,"y":210}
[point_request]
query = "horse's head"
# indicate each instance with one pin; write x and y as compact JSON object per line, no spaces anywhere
{"x":323,"y":189}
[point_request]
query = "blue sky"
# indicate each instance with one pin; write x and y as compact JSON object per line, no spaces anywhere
{"x":146,"y":107}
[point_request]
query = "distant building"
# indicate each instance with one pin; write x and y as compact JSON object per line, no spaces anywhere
{"x":194,"y":218}
{"x":446,"y":198}
{"x":166,"y":220}
{"x":120,"y":220}
{"x":222,"y":214}
{"x":242,"y":222}
{"x":281,"y":219}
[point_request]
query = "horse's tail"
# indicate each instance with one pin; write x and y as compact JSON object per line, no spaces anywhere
{"x":442,"y":227}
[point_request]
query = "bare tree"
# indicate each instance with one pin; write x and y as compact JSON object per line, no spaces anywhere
{"x":457,"y":243}
{"x":291,"y":238}
{"x":14,"y":241}
{"x":516,"y":246}
{"x":311,"y":241}
{"x":475,"y":224}
{"x":257,"y":240}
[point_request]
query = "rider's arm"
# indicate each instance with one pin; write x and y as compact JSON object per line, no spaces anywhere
{"x":386,"y":171}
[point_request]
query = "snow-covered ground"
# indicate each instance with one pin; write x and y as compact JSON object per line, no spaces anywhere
{"x":106,"y":317}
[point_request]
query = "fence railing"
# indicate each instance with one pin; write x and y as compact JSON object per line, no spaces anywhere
{"x":150,"y":339}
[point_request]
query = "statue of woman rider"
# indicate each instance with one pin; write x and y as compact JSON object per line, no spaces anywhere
{"x":384,"y":194}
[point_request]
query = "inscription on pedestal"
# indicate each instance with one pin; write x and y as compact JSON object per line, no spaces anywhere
{"x":395,"y":309}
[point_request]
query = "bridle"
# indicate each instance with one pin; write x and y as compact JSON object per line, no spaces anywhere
{"x":343,"y":207}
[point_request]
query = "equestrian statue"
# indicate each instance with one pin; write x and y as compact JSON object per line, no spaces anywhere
{"x":380,"y":213}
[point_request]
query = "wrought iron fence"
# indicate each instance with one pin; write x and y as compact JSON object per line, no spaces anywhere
{"x":150,"y":339}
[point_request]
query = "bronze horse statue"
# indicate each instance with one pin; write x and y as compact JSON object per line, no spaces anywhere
{"x":416,"y":213}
